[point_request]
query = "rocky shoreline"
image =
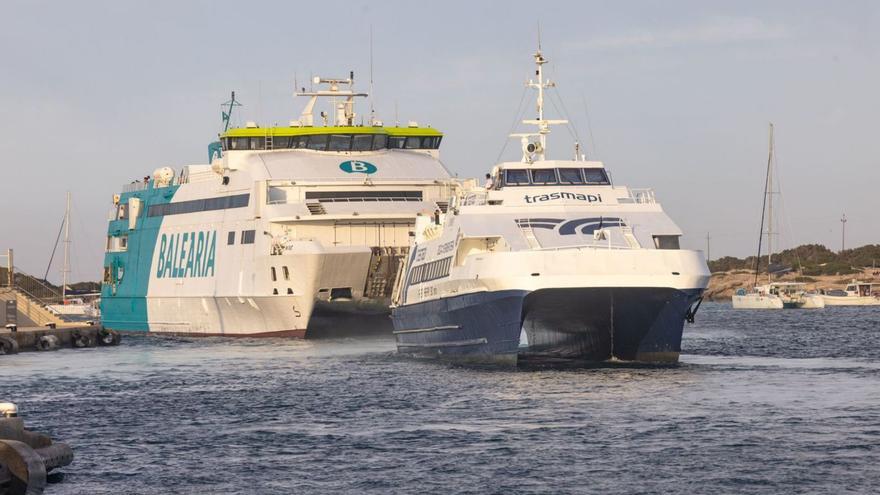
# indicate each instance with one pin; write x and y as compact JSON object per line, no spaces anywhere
{"x":722,"y":285}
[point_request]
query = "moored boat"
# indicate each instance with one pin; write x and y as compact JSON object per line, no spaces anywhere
{"x":856,"y":293}
{"x":286,"y":228}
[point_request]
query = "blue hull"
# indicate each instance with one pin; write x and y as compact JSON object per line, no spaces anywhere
{"x":585,"y":324}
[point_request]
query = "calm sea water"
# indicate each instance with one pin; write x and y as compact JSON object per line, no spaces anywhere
{"x":762,"y":402}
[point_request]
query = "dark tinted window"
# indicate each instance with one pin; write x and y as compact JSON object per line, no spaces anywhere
{"x":340,"y":142}
{"x":247,"y":236}
{"x":544,"y":176}
{"x":413,"y":143}
{"x":516,"y":177}
{"x":280,"y":142}
{"x":396,"y":142}
{"x":570,"y":176}
{"x":299,"y":141}
{"x":230,"y":238}
{"x":666,"y":242}
{"x":258,"y":143}
{"x":595,"y":176}
{"x":318,"y":142}
{"x":362,"y":142}
{"x":380,"y":142}
{"x":239,"y":143}
{"x":197,"y":205}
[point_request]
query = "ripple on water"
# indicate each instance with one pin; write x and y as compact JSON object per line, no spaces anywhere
{"x":763,"y":402}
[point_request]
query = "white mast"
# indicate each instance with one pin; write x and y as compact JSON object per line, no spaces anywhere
{"x":538,"y":150}
{"x":770,"y":207}
{"x":65,"y":270}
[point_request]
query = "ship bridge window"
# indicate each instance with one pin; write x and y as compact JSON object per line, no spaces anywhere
{"x":380,"y":141}
{"x":543,"y":176}
{"x":596,"y":176}
{"x":570,"y":176}
{"x":299,"y":142}
{"x":396,"y":142}
{"x":280,"y":142}
{"x":666,"y":242}
{"x":516,"y":177}
{"x":239,"y":143}
{"x":361,"y":142}
{"x":318,"y":142}
{"x":258,"y":143}
{"x":340,"y":142}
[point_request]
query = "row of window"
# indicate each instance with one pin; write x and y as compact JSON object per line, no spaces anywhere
{"x":284,"y":271}
{"x":197,"y":205}
{"x":344,"y":196}
{"x":430,"y":271}
{"x":247,"y":237}
{"x":332,"y":142}
{"x":555,"y":176}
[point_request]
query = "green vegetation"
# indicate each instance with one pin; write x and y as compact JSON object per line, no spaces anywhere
{"x":815,"y":259}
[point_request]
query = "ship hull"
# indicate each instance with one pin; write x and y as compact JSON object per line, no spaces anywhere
{"x":851,"y":300}
{"x":578,"y":324}
{"x":271,"y":316}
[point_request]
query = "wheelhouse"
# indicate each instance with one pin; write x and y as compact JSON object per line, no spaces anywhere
{"x":334,"y":139}
{"x":554,"y":176}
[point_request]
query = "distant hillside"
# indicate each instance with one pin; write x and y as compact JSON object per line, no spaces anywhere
{"x":815,"y":259}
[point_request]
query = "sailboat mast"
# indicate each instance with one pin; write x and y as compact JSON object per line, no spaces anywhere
{"x":65,"y":270}
{"x":770,"y":207}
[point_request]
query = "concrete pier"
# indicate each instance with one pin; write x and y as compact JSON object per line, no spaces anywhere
{"x":50,"y":338}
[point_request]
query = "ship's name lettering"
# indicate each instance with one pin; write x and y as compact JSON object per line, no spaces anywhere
{"x":591,"y":198}
{"x":187,"y":254}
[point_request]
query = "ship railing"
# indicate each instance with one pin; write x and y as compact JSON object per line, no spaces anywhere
{"x":135,"y":186}
{"x":474,"y":198}
{"x":202,"y":176}
{"x":358,"y":199}
{"x":597,"y":245}
{"x":642,"y":196}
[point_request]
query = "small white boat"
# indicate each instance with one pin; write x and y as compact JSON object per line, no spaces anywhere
{"x":778,"y":295}
{"x":855,"y":294}
{"x":757,"y":298}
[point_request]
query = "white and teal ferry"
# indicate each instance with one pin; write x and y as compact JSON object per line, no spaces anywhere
{"x":286,"y":227}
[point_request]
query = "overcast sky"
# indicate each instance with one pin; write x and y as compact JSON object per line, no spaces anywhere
{"x":670,"y":95}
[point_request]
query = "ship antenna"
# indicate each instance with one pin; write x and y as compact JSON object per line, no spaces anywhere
{"x":372,"y":108}
{"x":227,"y":113}
{"x":539,"y":149}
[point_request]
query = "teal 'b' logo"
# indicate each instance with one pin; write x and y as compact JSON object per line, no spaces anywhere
{"x":358,"y":167}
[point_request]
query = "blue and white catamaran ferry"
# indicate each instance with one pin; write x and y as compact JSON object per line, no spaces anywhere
{"x":551,"y":261}
{"x":284,"y":224}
